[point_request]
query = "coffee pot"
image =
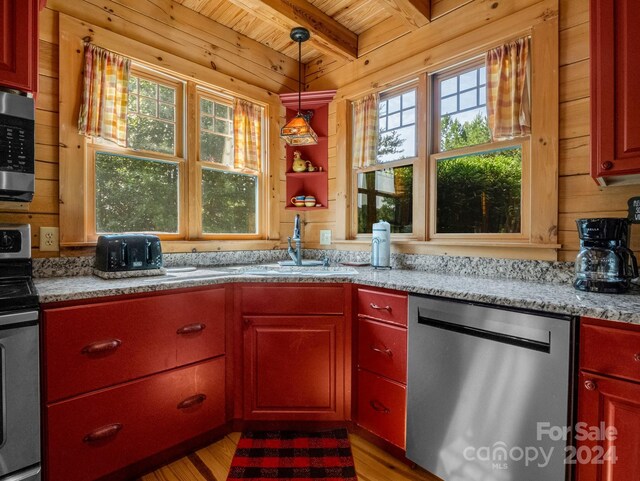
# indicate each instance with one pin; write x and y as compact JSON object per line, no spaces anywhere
{"x":605,"y":263}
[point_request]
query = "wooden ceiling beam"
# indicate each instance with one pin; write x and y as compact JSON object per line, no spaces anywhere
{"x":414,"y":13}
{"x":327,"y":35}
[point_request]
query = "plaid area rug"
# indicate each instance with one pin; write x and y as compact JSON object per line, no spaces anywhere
{"x":289,"y":455}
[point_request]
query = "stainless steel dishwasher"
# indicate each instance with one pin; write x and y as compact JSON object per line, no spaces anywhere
{"x":488,"y":393}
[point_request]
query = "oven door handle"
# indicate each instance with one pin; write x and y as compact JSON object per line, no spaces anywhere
{"x":18,"y":317}
{"x":3,"y":395}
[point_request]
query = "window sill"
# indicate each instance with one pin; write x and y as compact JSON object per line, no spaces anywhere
{"x":471,"y":248}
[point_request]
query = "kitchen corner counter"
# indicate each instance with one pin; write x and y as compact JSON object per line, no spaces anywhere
{"x":538,"y":296}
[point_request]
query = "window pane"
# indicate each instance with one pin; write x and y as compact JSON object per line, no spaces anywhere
{"x":449,"y":86}
{"x":144,"y":133}
{"x":148,"y":88}
{"x":167,"y":112}
{"x":469,"y":99}
{"x":216,"y":148}
{"x":469,"y":79}
{"x":480,"y":193}
{"x":461,"y":130}
{"x":386,"y":195}
{"x":382,"y":108}
{"x":222,"y":127}
{"x":409,"y":99}
{"x":206,"y":106}
{"x":397,"y":135}
{"x":167,"y":94}
{"x":135,"y":194}
{"x":206,"y":122}
{"x":222,"y":111}
{"x":133,"y":103}
{"x":148,"y":107}
{"x":448,"y":105}
{"x":229,"y":202}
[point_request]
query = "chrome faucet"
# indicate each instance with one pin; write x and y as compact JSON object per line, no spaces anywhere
{"x":296,"y":253}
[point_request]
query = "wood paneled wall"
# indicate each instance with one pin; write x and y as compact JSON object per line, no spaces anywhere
{"x":161,"y":23}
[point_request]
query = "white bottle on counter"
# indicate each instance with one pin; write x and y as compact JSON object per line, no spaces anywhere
{"x":381,"y":245}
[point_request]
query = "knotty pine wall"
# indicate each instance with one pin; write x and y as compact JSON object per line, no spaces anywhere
{"x":579,"y":196}
{"x":163,"y":24}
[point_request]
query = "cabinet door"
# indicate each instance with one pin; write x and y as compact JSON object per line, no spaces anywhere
{"x":615,"y":87}
{"x":93,"y":435}
{"x":606,"y":402}
{"x":294,"y":367}
{"x":18,"y":44}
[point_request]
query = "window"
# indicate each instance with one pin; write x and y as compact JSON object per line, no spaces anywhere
{"x":385,"y":190}
{"x":477,"y":183}
{"x":165,"y":183}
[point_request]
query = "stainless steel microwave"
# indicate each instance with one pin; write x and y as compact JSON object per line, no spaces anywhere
{"x":17,"y":147}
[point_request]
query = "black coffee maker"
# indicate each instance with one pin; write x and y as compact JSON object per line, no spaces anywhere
{"x":605,"y":262}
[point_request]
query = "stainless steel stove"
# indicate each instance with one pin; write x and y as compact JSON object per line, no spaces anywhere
{"x":19,"y":359}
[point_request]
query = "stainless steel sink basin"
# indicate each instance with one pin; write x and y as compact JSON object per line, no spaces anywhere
{"x":276,"y":270}
{"x":178,"y":274}
{"x":305,"y":263}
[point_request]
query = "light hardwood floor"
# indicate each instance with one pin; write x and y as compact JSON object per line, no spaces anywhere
{"x":212,"y":464}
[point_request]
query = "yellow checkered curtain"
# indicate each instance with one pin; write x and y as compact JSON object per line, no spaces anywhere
{"x":247,"y":135}
{"x":508,"y":83}
{"x":103,"y":112}
{"x":365,"y":131}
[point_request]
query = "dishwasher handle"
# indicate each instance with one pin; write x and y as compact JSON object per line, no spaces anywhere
{"x":518,"y":341}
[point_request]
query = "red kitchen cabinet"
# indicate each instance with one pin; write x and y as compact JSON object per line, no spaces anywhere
{"x":307,"y":183}
{"x":615,"y":91}
{"x":294,"y":367}
{"x":608,"y":397}
{"x":98,"y":345}
{"x":382,"y":363}
{"x":94,"y":435}
{"x":19,"y":44}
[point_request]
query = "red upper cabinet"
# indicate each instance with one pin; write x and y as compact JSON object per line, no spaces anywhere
{"x":314,"y":182}
{"x":615,"y":91}
{"x":19,"y":44}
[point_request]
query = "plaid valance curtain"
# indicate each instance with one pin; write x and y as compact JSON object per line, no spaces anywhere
{"x":365,"y":131}
{"x":103,"y":112}
{"x":508,"y":83}
{"x":247,"y":135}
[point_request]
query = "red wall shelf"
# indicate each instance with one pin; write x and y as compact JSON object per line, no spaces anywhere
{"x":310,"y":183}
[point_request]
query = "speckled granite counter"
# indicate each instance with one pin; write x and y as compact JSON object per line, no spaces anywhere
{"x":539,"y":296}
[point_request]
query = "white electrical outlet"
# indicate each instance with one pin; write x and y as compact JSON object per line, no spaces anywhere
{"x":325,"y":237}
{"x":49,"y":239}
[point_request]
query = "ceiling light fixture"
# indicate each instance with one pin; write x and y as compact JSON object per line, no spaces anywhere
{"x":298,"y":131}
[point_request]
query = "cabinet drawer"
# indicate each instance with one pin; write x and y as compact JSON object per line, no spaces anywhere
{"x":293,"y":299}
{"x":382,"y":348}
{"x":382,"y":407}
{"x":383,"y":305}
{"x":610,"y":351}
{"x":91,"y":436}
{"x":98,"y":345}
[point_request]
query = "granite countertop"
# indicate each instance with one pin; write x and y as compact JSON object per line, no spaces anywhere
{"x":539,"y":296}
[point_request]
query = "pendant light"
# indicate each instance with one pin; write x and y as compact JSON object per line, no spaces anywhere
{"x":298,"y":131}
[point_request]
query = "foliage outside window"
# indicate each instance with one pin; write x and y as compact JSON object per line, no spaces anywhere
{"x":385,"y":190}
{"x":478,"y":182}
{"x":143,"y":187}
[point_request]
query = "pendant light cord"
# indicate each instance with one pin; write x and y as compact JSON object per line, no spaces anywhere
{"x":299,"y":76}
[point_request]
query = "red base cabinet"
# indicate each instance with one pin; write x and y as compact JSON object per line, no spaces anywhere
{"x":19,"y":44}
{"x":382,"y":363}
{"x":127,"y":379}
{"x":293,"y":352}
{"x":609,"y":397}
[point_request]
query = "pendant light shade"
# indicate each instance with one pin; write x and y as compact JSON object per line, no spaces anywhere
{"x":298,"y":131}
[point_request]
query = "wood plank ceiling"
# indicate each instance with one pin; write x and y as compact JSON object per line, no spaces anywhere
{"x":335,"y":25}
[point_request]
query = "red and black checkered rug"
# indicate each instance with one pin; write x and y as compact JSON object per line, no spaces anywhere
{"x":289,"y":455}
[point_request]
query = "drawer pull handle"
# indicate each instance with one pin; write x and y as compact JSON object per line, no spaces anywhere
{"x":192,"y":401}
{"x":101,"y":347}
{"x":385,"y":350}
{"x":380,"y":308}
{"x":378,"y":406}
{"x":191,"y":329}
{"x":103,"y":433}
{"x":636,"y":357}
{"x":590,"y":385}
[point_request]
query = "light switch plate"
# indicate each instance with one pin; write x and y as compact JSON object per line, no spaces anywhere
{"x":49,"y":239}
{"x":325,"y":237}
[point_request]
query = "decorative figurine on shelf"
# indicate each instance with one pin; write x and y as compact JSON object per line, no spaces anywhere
{"x":311,"y":167}
{"x":299,"y":165}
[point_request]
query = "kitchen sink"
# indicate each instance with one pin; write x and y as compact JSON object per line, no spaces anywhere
{"x":177,"y":274}
{"x":285,"y":270}
{"x":305,"y":263}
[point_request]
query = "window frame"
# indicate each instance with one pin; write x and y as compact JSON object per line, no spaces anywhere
{"x":437,"y":154}
{"x":190,"y":165}
{"x":420,"y":107}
